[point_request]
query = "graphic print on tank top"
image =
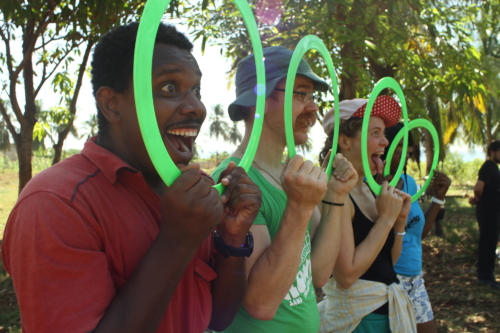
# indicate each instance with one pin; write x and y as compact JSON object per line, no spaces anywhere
{"x":301,"y":287}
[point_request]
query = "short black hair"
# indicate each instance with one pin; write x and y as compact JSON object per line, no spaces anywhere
{"x":113,"y":58}
{"x":390,"y":134}
{"x":493,"y":147}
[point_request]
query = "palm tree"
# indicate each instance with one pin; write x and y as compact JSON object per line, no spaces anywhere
{"x":234,"y":135}
{"x":218,"y":127}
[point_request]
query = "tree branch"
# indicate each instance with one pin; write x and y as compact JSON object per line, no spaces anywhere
{"x":81,"y":72}
{"x":12,"y":77}
{"x":10,"y":126}
{"x":29,"y":49}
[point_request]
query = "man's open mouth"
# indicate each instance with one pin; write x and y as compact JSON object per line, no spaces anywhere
{"x":182,"y":139}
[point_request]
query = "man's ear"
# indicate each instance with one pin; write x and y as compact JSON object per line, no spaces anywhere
{"x":107,"y":102}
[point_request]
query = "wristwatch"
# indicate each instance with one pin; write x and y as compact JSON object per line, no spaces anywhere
{"x":245,"y":250}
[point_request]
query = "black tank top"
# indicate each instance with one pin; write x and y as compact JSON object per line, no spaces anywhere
{"x":382,"y":269}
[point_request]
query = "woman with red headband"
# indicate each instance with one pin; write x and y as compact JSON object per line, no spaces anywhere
{"x":364,"y":295}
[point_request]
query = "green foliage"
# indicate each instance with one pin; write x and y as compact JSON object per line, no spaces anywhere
{"x":49,"y":42}
{"x":424,"y":44}
{"x":51,"y":122}
{"x":460,"y":172}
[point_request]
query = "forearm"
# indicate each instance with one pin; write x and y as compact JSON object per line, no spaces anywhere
{"x":356,"y":264}
{"x":228,"y":290}
{"x":399,"y":231}
{"x":141,"y":303}
{"x":430,"y":218}
{"x":326,"y":244}
{"x":396,"y":248}
{"x":275,"y":270}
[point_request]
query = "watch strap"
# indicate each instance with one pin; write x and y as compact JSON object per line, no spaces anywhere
{"x":245,"y":250}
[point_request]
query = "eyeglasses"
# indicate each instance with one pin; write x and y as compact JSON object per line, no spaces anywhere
{"x":302,"y":96}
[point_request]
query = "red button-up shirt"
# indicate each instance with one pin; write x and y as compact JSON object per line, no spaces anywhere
{"x":74,"y":238}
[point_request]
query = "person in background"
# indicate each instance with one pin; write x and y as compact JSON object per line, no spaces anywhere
{"x":98,"y":243}
{"x":487,"y":199}
{"x":364,"y":295}
{"x":409,"y":265}
{"x":294,"y":241}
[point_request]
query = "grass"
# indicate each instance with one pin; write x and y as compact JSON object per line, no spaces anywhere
{"x":460,"y":304}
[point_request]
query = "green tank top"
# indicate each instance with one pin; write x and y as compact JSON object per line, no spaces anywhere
{"x":298,"y":313}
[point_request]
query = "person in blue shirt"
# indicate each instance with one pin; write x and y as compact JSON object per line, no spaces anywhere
{"x":409,"y":265}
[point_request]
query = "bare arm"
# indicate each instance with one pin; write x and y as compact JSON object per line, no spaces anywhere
{"x":326,"y":241}
{"x":438,"y":187}
{"x":353,"y":261}
{"x":140,"y":305}
{"x":430,"y":218}
{"x":273,"y":266}
{"x":242,"y":199}
{"x":478,"y":190}
{"x":400,"y":226}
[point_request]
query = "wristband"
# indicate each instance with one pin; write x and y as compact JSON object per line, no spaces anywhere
{"x":437,"y":201}
{"x":399,"y":233}
{"x":331,"y":203}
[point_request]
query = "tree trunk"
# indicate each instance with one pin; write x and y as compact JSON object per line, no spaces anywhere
{"x":429,"y":151}
{"x":57,"y":151}
{"x":25,"y":146}
{"x":489,"y":132}
{"x":351,"y":57}
{"x":24,"y":150}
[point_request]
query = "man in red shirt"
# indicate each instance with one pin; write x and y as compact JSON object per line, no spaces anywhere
{"x":98,"y":243}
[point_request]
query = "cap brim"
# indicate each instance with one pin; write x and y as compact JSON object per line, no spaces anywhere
{"x":238,"y":109}
{"x":319,"y":84}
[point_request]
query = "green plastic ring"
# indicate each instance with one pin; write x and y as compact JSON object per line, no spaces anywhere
{"x":143,"y":91}
{"x":386,"y":82}
{"x":416,"y":123}
{"x":307,"y":43}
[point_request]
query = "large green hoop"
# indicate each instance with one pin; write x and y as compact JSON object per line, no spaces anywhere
{"x":392,"y":148}
{"x":143,"y":91}
{"x":386,"y":82}
{"x":307,"y":43}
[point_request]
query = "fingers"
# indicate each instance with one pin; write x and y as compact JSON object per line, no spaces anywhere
{"x":306,"y":167}
{"x":242,"y":193}
{"x":294,"y":164}
{"x":327,"y":159}
{"x":385,"y":185}
{"x":236,"y":176}
{"x":190,"y":176}
{"x":224,"y":177}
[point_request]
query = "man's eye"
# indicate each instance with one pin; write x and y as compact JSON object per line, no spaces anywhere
{"x":168,"y":89}
{"x":197,"y":91}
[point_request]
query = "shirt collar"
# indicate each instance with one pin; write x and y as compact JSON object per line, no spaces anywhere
{"x":107,"y":162}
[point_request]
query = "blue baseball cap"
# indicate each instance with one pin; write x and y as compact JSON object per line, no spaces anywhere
{"x":276,"y":61}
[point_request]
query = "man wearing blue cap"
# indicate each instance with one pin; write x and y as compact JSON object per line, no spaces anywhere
{"x":286,"y":266}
